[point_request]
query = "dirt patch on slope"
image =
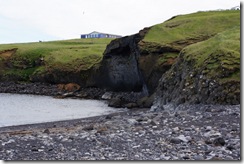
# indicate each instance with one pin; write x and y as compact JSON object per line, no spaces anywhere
{"x":8,"y":53}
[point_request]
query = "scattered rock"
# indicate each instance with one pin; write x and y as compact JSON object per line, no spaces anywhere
{"x":107,"y":96}
{"x":46,"y":131}
{"x":219,"y":141}
{"x":198,"y":157}
{"x":176,"y":140}
{"x":132,"y":121}
{"x":184,"y":139}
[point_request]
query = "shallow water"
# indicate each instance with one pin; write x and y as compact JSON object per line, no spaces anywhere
{"x":18,"y":109}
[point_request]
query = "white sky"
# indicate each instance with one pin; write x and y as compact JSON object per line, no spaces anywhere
{"x":34,"y":20}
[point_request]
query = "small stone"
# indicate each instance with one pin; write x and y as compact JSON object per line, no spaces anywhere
{"x":230,"y":147}
{"x":176,"y":129}
{"x":175,"y":140}
{"x":198,"y":157}
{"x":228,"y":158}
{"x":155,"y":122}
{"x":131,"y":105}
{"x":223,"y":126}
{"x":184,"y":139}
{"x":188,"y":129}
{"x":212,"y":134}
{"x":208,"y":128}
{"x":108,"y":117}
{"x":165,"y":157}
{"x":208,"y":142}
{"x":107,"y":96}
{"x":132,"y":121}
{"x":34,"y":149}
{"x":217,"y":134}
{"x":134,"y":147}
{"x":46,"y":131}
{"x":186,"y":157}
{"x":219,"y":141}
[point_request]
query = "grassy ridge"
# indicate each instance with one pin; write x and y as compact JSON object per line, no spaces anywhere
{"x":209,"y":42}
{"x":192,"y":28}
{"x":66,"y":55}
{"x":219,"y":55}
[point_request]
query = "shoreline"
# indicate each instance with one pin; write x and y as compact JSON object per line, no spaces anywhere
{"x":115,"y":99}
{"x":63,"y":123}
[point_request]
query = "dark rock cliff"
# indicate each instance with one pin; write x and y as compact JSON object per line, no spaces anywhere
{"x":183,"y":84}
{"x":129,"y":64}
{"x":119,"y":69}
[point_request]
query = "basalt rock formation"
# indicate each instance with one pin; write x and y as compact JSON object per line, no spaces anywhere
{"x":129,"y":64}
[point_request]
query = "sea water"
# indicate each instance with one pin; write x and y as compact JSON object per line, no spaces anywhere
{"x":17,"y":109}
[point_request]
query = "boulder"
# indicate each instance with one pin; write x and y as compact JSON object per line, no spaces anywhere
{"x":116,"y":103}
{"x":131,"y":105}
{"x":146,"y":101}
{"x":107,"y":96}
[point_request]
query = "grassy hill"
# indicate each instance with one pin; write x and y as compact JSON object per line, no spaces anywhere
{"x":219,"y":56}
{"x":25,"y":59}
{"x":207,"y":57}
{"x":164,"y":42}
{"x":184,"y":30}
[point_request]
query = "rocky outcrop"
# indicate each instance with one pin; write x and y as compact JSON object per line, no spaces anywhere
{"x":119,"y":67}
{"x":129,"y":64}
{"x":210,"y":75}
{"x":184,"y":84}
{"x":82,"y":77}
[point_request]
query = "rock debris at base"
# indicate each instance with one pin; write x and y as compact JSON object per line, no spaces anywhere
{"x":196,"y":132}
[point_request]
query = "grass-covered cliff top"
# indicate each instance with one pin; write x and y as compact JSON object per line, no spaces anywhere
{"x":208,"y":41}
{"x":219,"y":56}
{"x":24,"y":59}
{"x":184,"y":30}
{"x":68,"y":52}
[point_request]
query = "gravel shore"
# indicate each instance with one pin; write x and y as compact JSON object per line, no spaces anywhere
{"x":197,"y":132}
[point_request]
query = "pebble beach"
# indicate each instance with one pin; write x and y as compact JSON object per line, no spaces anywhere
{"x":196,"y":132}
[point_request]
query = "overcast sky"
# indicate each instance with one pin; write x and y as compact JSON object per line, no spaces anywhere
{"x":34,"y":20}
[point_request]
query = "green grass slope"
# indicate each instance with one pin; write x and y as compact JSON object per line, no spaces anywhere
{"x":217,"y":57}
{"x":163,"y":42}
{"x":184,"y":30}
{"x":207,"y":69}
{"x":25,"y":59}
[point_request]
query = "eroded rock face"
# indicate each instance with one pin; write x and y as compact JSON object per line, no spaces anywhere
{"x":129,"y":64}
{"x":119,"y":67}
{"x":184,"y":84}
{"x":58,"y":76}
